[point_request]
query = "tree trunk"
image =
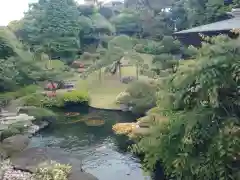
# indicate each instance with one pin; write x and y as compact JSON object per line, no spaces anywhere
{"x":137,"y":71}
{"x":119,"y":69}
{"x":100,"y":75}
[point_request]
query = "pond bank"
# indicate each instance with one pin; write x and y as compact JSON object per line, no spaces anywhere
{"x":23,"y":160}
{"x":101,"y":152}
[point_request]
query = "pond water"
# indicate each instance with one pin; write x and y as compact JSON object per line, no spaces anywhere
{"x":103,"y":153}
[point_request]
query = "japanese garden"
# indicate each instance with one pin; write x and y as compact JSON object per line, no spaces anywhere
{"x":133,"y":89}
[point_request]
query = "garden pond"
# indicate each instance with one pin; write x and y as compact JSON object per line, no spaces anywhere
{"x":87,"y":135}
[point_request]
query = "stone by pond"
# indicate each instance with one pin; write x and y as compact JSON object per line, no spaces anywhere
{"x":88,"y":141}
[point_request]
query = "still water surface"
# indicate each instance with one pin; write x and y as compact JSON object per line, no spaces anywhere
{"x":103,"y":154}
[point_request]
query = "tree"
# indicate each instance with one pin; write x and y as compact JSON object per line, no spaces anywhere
{"x":201,"y":103}
{"x":17,"y":65}
{"x":60,"y":29}
{"x":135,"y":59}
{"x":127,"y":22}
{"x":52,"y":27}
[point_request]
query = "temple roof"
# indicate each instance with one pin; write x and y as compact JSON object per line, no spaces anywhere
{"x":224,"y":25}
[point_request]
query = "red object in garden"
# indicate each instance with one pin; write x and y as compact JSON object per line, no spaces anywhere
{"x":81,"y":65}
{"x":51,"y":86}
{"x":81,"y":70}
{"x":78,"y":64}
{"x":51,"y":94}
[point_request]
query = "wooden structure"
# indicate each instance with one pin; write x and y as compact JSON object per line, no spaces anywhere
{"x":192,"y":37}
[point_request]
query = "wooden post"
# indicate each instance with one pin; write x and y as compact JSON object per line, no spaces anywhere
{"x":137,"y":70}
{"x":119,"y":69}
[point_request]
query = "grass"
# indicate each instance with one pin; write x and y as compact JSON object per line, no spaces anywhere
{"x":103,"y":93}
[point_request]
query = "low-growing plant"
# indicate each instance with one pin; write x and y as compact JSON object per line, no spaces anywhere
{"x":12,"y":131}
{"x":140,"y":96}
{"x":5,"y":98}
{"x":54,"y":171}
{"x":60,"y":100}
{"x":75,"y":97}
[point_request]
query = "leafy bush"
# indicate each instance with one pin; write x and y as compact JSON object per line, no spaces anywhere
{"x":39,"y":113}
{"x":75,"y":97}
{"x":60,"y":100}
{"x":140,"y":96}
{"x":122,"y":41}
{"x":201,"y":137}
{"x":54,"y":171}
{"x":5,"y":98}
{"x":9,"y":132}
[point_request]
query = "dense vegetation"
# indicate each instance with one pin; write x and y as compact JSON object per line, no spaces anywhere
{"x":201,"y":102}
{"x":196,"y":135}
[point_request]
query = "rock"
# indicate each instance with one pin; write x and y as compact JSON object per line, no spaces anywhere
{"x":3,"y":154}
{"x":7,"y":114}
{"x":19,"y":118}
{"x":80,"y":175}
{"x":15,"y":144}
{"x":127,"y":79}
{"x":32,"y":158}
{"x":25,"y":109}
{"x":3,"y":127}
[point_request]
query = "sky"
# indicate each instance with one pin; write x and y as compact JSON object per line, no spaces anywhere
{"x":13,"y":9}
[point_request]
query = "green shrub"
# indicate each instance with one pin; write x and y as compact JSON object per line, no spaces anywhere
{"x":201,"y":139}
{"x":140,"y":95}
{"x":20,"y":126}
{"x":5,"y":98}
{"x":12,"y":131}
{"x":34,"y":100}
{"x":25,"y":91}
{"x":122,"y":41}
{"x":74,"y":97}
{"x":54,"y":171}
{"x":39,"y":100}
{"x":38,"y":112}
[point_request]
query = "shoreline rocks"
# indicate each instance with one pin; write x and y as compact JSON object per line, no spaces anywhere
{"x":31,"y":159}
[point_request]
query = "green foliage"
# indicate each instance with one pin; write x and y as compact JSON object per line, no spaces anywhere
{"x":201,"y":139}
{"x":53,"y":27}
{"x":12,"y":131}
{"x":39,"y":113}
{"x":19,"y":69}
{"x":140,"y":96}
{"x":164,"y":62}
{"x":75,"y":97}
{"x":127,"y":22}
{"x":54,"y":171}
{"x":62,"y":99}
{"x":101,"y":24}
{"x":122,"y":41}
{"x":5,"y":98}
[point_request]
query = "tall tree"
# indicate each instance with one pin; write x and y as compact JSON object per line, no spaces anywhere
{"x":60,"y":28}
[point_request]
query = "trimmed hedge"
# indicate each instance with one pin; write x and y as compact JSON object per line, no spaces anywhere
{"x":61,"y":99}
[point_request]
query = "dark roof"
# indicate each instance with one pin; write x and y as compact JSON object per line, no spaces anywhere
{"x":224,"y":25}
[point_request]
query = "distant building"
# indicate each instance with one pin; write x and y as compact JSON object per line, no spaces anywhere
{"x":191,"y":36}
{"x":115,"y":5}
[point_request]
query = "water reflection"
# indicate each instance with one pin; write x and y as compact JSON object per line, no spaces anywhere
{"x":102,"y":152}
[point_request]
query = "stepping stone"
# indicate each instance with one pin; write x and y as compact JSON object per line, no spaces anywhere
{"x":7,"y":114}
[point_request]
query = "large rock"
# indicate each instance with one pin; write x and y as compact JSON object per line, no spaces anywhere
{"x":15,"y":144}
{"x":3,"y":154}
{"x":127,"y":79}
{"x":80,"y":175}
{"x":32,"y":158}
